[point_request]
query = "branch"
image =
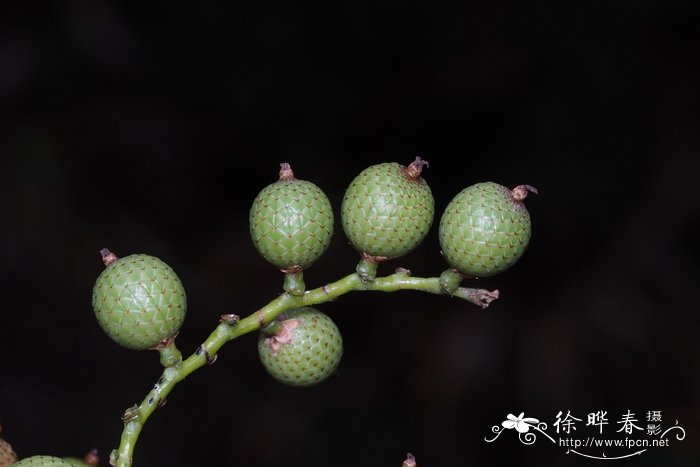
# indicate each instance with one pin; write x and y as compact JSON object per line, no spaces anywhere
{"x":231,"y":327}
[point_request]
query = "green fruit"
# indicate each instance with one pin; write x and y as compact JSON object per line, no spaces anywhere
{"x":485,"y":229}
{"x":139,"y":301}
{"x":306,"y":349}
{"x":75,"y":462}
{"x":43,"y":461}
{"x":388,"y":209}
{"x":291,"y":222}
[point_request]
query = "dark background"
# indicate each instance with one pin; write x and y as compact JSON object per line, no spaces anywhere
{"x":150,"y":129}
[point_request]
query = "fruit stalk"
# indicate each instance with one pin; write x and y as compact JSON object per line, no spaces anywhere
{"x":169,"y":353}
{"x":294,"y":281}
{"x":367,"y":267}
{"x":231,"y":328}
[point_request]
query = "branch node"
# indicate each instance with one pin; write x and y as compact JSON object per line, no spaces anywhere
{"x":367,"y":267}
{"x":450,"y":280}
{"x":130,"y":414}
{"x":210,"y":358}
{"x":229,"y":319}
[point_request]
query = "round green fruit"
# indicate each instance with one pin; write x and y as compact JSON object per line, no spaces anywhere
{"x":139,"y":301}
{"x":291,"y":222}
{"x":43,"y":461}
{"x":305,"y":349}
{"x":75,"y":462}
{"x":485,"y":229}
{"x":388,"y":209}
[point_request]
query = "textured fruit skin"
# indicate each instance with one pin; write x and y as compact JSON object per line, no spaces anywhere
{"x":291,"y":223}
{"x":385,"y":213}
{"x":75,"y":462}
{"x":7,"y":454}
{"x":484,"y":230}
{"x":312,"y":353}
{"x":139,"y":301}
{"x":43,"y":461}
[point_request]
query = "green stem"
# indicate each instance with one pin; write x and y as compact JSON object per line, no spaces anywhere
{"x":230,"y":329}
{"x":367,"y":268}
{"x":294,"y":283}
{"x":169,"y":354}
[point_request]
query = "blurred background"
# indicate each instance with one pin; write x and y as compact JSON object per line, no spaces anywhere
{"x":151,"y":128}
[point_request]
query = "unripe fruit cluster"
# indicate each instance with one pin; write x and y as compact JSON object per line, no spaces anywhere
{"x":387,"y":211}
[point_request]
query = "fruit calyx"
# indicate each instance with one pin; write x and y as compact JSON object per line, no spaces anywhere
{"x":286,"y":173}
{"x":414,"y":169}
{"x":367,"y":267}
{"x":519,"y":193}
{"x":108,"y":257}
{"x":373,"y":259}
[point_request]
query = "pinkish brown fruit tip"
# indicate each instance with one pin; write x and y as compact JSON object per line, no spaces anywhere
{"x":286,"y":172}
{"x":92,"y":458}
{"x":108,"y":257}
{"x":520,"y":192}
{"x":415,"y":168}
{"x":410,"y":461}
